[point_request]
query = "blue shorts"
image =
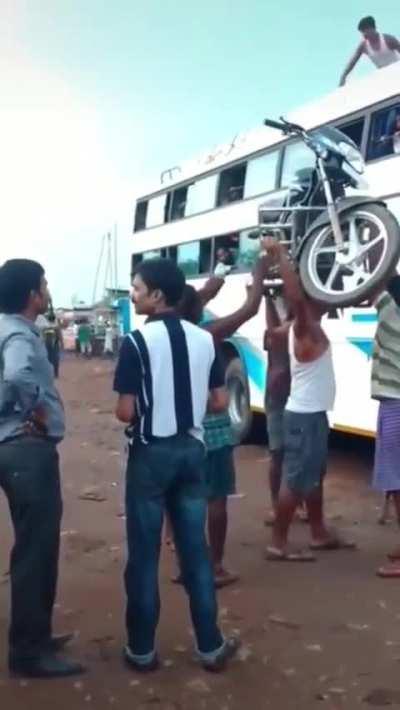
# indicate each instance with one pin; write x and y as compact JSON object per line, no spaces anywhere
{"x":305,"y":451}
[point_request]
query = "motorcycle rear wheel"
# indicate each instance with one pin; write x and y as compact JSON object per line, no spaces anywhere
{"x":372,"y":241}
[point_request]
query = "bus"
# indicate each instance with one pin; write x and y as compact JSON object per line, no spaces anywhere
{"x":211,"y":203}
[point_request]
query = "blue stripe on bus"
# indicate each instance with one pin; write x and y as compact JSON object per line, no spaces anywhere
{"x":366,"y":345}
{"x":364,"y":317}
{"x":254,"y":362}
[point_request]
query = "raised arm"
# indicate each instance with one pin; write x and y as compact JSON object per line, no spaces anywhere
{"x":294,"y":293}
{"x":225,"y":327}
{"x":272,"y":320}
{"x":210,"y":289}
{"x":352,"y":63}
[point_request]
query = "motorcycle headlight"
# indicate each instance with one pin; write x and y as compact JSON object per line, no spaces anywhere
{"x":353,"y":157}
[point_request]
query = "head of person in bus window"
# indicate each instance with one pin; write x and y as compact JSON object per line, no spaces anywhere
{"x":224,"y":256}
{"x":157,"y":286}
{"x":367,"y":27}
{"x":190,"y":307}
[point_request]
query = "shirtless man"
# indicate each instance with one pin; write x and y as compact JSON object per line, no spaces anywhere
{"x":276,"y":393}
{"x":382,"y":49}
{"x":306,"y":427}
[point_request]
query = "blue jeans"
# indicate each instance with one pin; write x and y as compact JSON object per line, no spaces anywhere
{"x":168,"y":474}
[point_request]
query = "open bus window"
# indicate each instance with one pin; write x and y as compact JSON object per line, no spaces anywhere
{"x":354,"y":130}
{"x":194,"y":258}
{"x":261,"y":174}
{"x":231,"y":185}
{"x":178,"y":206}
{"x":384,"y":137}
{"x":201,"y":196}
{"x":140,"y":216}
{"x":297,"y":157}
{"x":226,"y":254}
{"x":156,"y":211}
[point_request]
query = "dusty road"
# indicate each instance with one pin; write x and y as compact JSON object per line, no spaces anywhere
{"x":323,"y":635}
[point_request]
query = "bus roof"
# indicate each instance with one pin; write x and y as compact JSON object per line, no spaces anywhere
{"x":344,"y":101}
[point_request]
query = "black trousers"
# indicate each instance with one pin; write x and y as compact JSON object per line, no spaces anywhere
{"x":30,"y":478}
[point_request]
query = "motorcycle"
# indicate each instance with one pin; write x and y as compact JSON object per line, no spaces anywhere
{"x":344,"y":246}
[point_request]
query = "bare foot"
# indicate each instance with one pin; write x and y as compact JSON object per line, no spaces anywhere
{"x":224,"y":578}
{"x":277,"y":554}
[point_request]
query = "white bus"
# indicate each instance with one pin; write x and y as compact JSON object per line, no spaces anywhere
{"x":212,"y":202}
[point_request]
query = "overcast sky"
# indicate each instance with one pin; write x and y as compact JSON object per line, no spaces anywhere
{"x":98,"y":96}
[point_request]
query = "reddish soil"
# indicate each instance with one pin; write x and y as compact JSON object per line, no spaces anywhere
{"x":314,"y":635}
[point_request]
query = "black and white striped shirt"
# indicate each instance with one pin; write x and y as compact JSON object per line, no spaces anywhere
{"x":169,"y":365}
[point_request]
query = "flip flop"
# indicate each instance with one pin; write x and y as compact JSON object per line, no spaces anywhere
{"x":225,"y":579}
{"x":333,"y":544}
{"x":389,"y":572}
{"x":274,"y":554}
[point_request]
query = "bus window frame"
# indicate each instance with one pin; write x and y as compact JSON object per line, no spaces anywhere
{"x":387,"y":104}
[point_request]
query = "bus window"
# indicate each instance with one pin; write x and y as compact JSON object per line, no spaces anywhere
{"x":231,"y":185}
{"x":384,"y":137}
{"x":226,"y":253}
{"x":354,"y":130}
{"x":154,"y":254}
{"x":188,"y":258}
{"x":156,"y":211}
{"x":140,"y":216}
{"x":249,"y":250}
{"x":297,"y":157}
{"x":261,"y":174}
{"x":179,"y":198}
{"x":194,"y":258}
{"x":201,"y":196}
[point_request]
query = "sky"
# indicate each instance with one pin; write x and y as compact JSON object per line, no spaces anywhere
{"x":98,"y":97}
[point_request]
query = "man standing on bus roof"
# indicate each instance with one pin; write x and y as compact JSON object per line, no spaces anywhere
{"x":382,"y":49}
{"x":306,"y":428}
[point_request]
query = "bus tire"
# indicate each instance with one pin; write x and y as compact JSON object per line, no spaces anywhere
{"x":239,"y":399}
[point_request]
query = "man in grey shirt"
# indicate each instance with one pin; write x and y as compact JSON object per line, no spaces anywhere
{"x":31,"y":425}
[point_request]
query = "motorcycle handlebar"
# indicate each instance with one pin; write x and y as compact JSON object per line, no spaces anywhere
{"x":274,"y":124}
{"x":283,"y":126}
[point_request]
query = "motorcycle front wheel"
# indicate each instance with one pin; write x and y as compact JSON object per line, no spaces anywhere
{"x":347,"y":277}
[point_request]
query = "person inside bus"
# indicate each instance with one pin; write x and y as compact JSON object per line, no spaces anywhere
{"x":382,"y":49}
{"x":306,"y":427}
{"x":218,"y":434}
{"x":386,"y":134}
{"x":224,"y":262}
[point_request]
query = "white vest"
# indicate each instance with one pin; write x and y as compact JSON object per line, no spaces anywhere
{"x":312,"y":386}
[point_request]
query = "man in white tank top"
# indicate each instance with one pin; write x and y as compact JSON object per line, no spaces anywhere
{"x":382,"y":49}
{"x":306,"y":428}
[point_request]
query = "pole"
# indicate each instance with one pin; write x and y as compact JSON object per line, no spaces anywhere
{"x":96,"y":278}
{"x":116,"y":257}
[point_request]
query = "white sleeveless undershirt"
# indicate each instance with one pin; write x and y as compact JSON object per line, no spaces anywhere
{"x":313,"y":386}
{"x":383,"y":56}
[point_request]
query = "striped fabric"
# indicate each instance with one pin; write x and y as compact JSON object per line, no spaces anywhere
{"x":387,"y":450}
{"x":169,"y":366}
{"x":385,"y":381}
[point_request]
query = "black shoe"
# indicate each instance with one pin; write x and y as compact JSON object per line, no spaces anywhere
{"x":57,"y":643}
{"x":153,"y":665}
{"x":46,"y":665}
{"x":228,"y":651}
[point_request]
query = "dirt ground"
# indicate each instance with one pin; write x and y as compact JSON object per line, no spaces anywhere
{"x":321,"y":635}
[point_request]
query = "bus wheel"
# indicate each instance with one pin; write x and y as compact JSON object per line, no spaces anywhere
{"x":239,"y":399}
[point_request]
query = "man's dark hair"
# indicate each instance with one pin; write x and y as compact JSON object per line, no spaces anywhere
{"x":165,"y":275}
{"x":190,"y":306}
{"x":367,"y":23}
{"x":393,"y":288}
{"x":18,"y":278}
